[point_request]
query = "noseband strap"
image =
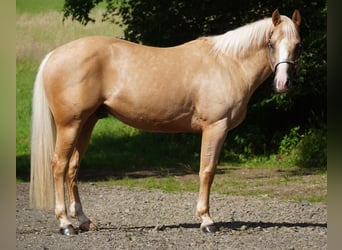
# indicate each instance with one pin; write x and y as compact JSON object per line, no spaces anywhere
{"x":274,"y":66}
{"x":295,"y":62}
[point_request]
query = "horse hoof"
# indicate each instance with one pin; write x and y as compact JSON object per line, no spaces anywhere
{"x":69,"y":230}
{"x":88,"y":226}
{"x":211,"y":228}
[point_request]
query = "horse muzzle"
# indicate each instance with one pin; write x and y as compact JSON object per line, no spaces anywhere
{"x":282,"y":86}
{"x":284,"y":74}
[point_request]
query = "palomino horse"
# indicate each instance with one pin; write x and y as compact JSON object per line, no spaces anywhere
{"x":200,"y":86}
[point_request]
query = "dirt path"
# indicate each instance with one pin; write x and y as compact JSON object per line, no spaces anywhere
{"x":129,"y":219}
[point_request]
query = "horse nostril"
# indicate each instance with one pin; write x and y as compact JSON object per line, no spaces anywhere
{"x":288,"y":84}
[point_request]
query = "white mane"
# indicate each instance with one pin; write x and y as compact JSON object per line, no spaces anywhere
{"x":256,"y":34}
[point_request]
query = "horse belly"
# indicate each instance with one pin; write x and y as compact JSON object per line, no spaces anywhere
{"x":158,"y":118}
{"x":181,"y":124}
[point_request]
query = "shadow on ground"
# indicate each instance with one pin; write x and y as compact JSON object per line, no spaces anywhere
{"x":223,"y":226}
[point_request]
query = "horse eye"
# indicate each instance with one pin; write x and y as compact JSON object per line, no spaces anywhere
{"x":298,"y":48}
{"x":270,"y":45}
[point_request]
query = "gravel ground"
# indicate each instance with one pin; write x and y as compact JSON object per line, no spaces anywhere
{"x":133,"y":219}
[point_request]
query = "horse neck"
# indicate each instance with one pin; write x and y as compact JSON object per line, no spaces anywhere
{"x":256,"y":67}
{"x":247,"y":47}
{"x":250,"y":70}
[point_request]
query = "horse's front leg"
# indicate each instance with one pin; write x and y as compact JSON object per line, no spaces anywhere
{"x":213,"y":137}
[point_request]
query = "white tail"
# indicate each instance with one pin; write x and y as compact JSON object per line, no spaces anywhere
{"x":43,"y":136}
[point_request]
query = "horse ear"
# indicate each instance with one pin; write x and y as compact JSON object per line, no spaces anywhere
{"x":296,"y":18}
{"x":276,"y":17}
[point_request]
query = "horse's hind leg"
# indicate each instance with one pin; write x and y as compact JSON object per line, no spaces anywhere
{"x":74,"y":199}
{"x":65,"y":142}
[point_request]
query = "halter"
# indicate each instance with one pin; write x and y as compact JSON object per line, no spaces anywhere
{"x":292,"y":62}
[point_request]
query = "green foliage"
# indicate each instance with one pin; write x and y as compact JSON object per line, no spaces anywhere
{"x":306,"y":150}
{"x":146,"y":21}
{"x":83,"y":9}
{"x":312,"y":150}
{"x":289,"y":141}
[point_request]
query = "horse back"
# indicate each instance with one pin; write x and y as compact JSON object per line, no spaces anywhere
{"x":147,"y":87}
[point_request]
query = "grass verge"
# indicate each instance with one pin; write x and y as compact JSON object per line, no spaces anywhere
{"x":279,"y":183}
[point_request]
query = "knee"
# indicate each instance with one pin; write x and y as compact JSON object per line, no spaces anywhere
{"x":207,"y":174}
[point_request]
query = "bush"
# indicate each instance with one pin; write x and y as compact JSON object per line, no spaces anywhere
{"x":312,"y":149}
{"x":305,"y":150}
{"x":290,"y":141}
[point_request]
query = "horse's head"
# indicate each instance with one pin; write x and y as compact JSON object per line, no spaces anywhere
{"x":284,"y":46}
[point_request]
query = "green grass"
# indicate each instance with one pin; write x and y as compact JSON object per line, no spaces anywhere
{"x":25,"y":74}
{"x":240,"y":181}
{"x":38,"y":6}
{"x":167,"y":183}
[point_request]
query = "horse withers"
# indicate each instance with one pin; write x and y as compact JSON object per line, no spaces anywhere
{"x":200,"y":86}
